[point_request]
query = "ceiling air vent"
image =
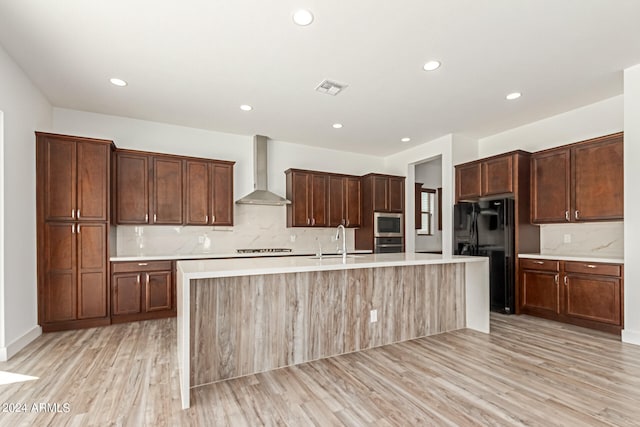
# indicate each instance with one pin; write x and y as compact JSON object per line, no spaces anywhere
{"x":330,"y":88}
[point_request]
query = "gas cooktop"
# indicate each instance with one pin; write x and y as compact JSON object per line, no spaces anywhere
{"x":262,"y":250}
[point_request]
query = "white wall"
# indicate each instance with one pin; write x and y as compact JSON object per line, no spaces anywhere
{"x":25,"y":110}
{"x":602,"y":118}
{"x":403,"y":163}
{"x":631,"y":332}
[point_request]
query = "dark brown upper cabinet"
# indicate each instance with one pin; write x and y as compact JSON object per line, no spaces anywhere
{"x":174,"y":190}
{"x":208,"y":193}
{"x":387,"y":192}
{"x":77,"y":178}
{"x":493,"y":176}
{"x":344,"y":201}
{"x":308,"y":192}
{"x":578,"y":182}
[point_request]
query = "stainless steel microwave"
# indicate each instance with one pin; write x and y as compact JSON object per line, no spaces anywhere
{"x":388,"y":224}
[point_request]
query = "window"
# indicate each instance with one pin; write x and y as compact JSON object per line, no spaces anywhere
{"x":427,"y":204}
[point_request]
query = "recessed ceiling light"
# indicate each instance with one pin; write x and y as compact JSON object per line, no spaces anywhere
{"x":405,"y":139}
{"x":337,"y":125}
{"x":245,"y":107}
{"x":117,"y":82}
{"x":431,"y":65}
{"x":302,"y":17}
{"x":513,"y":95}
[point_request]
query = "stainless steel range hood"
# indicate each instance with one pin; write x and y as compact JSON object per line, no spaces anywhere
{"x":261,"y":195}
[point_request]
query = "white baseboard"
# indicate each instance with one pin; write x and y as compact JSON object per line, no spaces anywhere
{"x":19,"y":343}
{"x":631,"y":337}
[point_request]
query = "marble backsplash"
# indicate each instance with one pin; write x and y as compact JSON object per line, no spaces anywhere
{"x":600,"y":239}
{"x":255,"y":227}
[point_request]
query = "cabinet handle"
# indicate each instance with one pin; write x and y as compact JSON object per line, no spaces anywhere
{"x":313,"y":221}
{"x":556,"y":279}
{"x":577,"y":214}
{"x":538,"y":262}
{"x":213,"y":218}
{"x":78,"y":213}
{"x":155,"y":218}
{"x":73,"y":214}
{"x":78,"y":229}
{"x":73,"y":229}
{"x":591,"y":266}
{"x":142,"y":263}
{"x":206,"y":218}
{"x":308,"y":221}
{"x":566,"y":215}
{"x":566,"y":282}
{"x":347,"y":223}
{"x":146,"y":217}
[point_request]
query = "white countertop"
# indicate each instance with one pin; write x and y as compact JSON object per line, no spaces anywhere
{"x":578,"y":258}
{"x":144,"y":257}
{"x":243,"y":267}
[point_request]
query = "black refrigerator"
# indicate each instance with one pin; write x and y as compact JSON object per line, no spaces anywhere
{"x":486,"y":228}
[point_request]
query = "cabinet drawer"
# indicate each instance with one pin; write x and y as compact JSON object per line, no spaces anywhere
{"x":539,"y":264}
{"x":135,"y":266}
{"x":592,"y":268}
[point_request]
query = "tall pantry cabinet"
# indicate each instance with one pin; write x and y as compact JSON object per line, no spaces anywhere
{"x":72,"y":179}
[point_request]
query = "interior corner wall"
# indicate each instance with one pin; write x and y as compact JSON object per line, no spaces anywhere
{"x":601,"y":118}
{"x":403,"y":163}
{"x":25,"y":110}
{"x":631,"y":332}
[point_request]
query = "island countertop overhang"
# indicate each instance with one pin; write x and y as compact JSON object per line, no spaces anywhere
{"x":212,"y":268}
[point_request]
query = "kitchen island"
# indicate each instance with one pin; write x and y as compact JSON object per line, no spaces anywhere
{"x":243,"y":316}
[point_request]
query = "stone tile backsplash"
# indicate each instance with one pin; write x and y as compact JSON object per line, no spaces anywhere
{"x":605,"y":239}
{"x":255,"y":227}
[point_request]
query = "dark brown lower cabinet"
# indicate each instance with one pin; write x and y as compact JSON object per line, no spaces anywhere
{"x":582,"y":293}
{"x":142,"y":290}
{"x":73,"y":291}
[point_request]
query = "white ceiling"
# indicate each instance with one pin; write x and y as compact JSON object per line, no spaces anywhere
{"x":194,"y":62}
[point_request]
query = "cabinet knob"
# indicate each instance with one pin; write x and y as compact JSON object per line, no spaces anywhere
{"x":566,"y":215}
{"x":577,"y":214}
{"x":566,"y":282}
{"x":556,"y":278}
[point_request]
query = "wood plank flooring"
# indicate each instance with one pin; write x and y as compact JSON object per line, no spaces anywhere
{"x":528,"y":371}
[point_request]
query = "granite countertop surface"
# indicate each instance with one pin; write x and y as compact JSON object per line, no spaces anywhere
{"x":578,"y":258}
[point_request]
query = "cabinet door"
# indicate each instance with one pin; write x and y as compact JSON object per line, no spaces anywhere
{"x":132,"y":188}
{"x":497,"y":176}
{"x":92,"y":270}
{"x":540,"y":292}
{"x":60,"y":178}
{"x":93,"y":181}
{"x":126,"y":294}
{"x":167,"y":189}
{"x":157,"y":290}
{"x":222,"y":197}
{"x":197,"y":193}
{"x":593,"y":298}
{"x":468,"y":182}
{"x":598,"y":180}
{"x":318,"y":206}
{"x":396,"y":194}
{"x":352,"y":203}
{"x":550,"y":183}
{"x":337,"y":198}
{"x":58,"y":292}
{"x":380,"y":194}
{"x":300,"y":193}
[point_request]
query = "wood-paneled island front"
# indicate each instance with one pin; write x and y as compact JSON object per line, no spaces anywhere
{"x":243,"y":316}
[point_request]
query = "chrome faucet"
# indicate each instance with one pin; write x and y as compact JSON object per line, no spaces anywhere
{"x":342,"y":251}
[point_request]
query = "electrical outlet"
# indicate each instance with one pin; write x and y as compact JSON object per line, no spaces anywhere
{"x":373,"y":314}
{"x":567,"y":238}
{"x":292,"y":237}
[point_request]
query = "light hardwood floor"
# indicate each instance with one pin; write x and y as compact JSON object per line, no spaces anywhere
{"x":527,"y":372}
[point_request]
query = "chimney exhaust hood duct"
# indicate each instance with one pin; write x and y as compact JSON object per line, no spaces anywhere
{"x":260,"y":195}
